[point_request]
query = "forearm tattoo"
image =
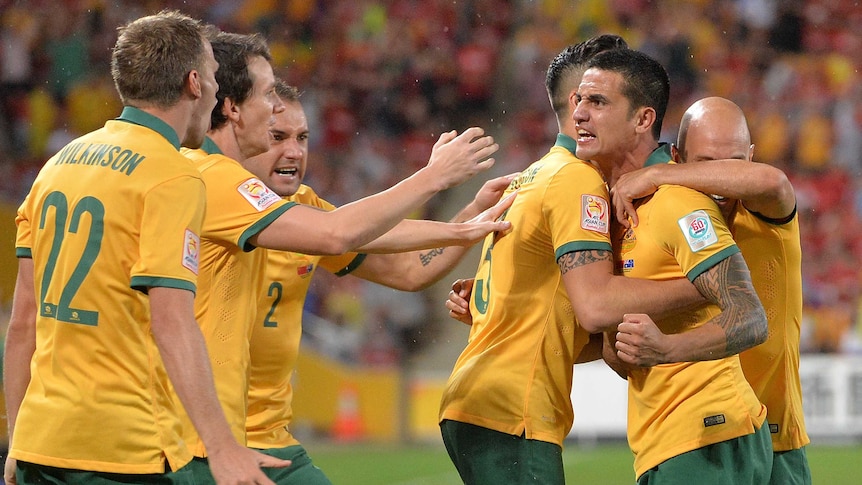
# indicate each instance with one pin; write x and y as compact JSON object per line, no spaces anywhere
{"x":425,"y":258}
{"x":574,"y":259}
{"x":728,"y":285}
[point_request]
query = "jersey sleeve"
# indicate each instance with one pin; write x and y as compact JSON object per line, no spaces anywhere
{"x":338,"y":265}
{"x":24,"y":234}
{"x":170,"y":235}
{"x":576,"y":209}
{"x":692,"y":229}
{"x":239,"y":205}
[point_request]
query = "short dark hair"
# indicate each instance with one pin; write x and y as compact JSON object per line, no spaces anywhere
{"x":153,"y":55}
{"x":233,"y":53}
{"x":645,"y":81}
{"x":285,"y":91}
{"x":568,"y":67}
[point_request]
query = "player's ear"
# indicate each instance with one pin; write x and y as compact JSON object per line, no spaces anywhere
{"x":230,"y":109}
{"x":193,"y":83}
{"x":674,"y":152}
{"x":646,"y":116}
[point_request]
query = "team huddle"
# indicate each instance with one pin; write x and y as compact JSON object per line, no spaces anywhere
{"x":156,"y":319}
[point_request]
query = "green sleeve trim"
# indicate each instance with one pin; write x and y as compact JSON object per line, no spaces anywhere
{"x":144,"y":283}
{"x":261,"y":225}
{"x":711,"y":261}
{"x":775,"y":222}
{"x":353,"y":265}
{"x":23,"y":253}
{"x":574,"y":246}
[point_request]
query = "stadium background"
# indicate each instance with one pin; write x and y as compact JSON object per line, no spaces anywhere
{"x":382,"y":79}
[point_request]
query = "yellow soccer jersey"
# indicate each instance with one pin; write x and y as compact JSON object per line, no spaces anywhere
{"x":675,"y":408}
{"x":115,"y":212}
{"x":774,"y":256}
{"x":231,"y":274}
{"x":277,"y":331}
{"x":515,"y":375}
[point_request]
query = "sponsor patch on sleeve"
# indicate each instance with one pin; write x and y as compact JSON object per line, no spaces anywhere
{"x":698,"y":230}
{"x":191,"y":251}
{"x":595,"y":215}
{"x":257,"y":194}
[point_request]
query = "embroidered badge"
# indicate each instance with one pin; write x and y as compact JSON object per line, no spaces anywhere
{"x":257,"y":194}
{"x":191,"y":251}
{"x":698,"y":230}
{"x":595,"y":215}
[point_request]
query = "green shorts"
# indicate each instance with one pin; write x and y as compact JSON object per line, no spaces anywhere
{"x":486,"y":457}
{"x":199,"y":468}
{"x":31,"y":473}
{"x":790,"y":468}
{"x":301,"y":472}
{"x":746,"y":460}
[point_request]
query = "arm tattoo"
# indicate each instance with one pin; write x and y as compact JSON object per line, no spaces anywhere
{"x":574,"y":259}
{"x":728,"y":285}
{"x":425,"y":258}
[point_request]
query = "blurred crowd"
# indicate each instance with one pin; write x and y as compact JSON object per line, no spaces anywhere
{"x":382,"y":79}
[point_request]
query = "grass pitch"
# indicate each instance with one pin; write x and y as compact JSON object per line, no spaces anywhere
{"x":603,"y":464}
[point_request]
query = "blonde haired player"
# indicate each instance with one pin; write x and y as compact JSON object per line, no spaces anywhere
{"x":102,"y":324}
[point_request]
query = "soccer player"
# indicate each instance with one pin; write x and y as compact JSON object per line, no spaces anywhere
{"x":759,"y":205}
{"x":540,"y":291}
{"x":278,"y":327}
{"x":689,"y":422}
{"x":243,"y":213}
{"x":102,"y":325}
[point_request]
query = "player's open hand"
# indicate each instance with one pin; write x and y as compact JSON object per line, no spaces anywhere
{"x":456,"y":158}
{"x":458,"y":302}
{"x":477,"y":228}
{"x":238,"y":465}
{"x":491,"y":191}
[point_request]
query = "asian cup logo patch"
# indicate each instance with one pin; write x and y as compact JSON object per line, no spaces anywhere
{"x":258,"y":194}
{"x":191,"y":251}
{"x":595,"y":214}
{"x":698,"y":230}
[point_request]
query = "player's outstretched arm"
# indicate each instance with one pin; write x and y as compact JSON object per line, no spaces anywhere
{"x":761,"y":187}
{"x":20,"y":346}
{"x":184,"y":353}
{"x":740,"y":325}
{"x":412,"y":234}
{"x":417,"y":270}
{"x":454,"y":159}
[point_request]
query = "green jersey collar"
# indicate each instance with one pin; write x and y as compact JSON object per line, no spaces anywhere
{"x":659,"y":155}
{"x":566,"y":142}
{"x":138,"y":117}
{"x":210,"y":147}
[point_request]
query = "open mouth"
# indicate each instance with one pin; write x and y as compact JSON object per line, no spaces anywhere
{"x":287,"y":171}
{"x":717,"y":198}
{"x":584,"y":135}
